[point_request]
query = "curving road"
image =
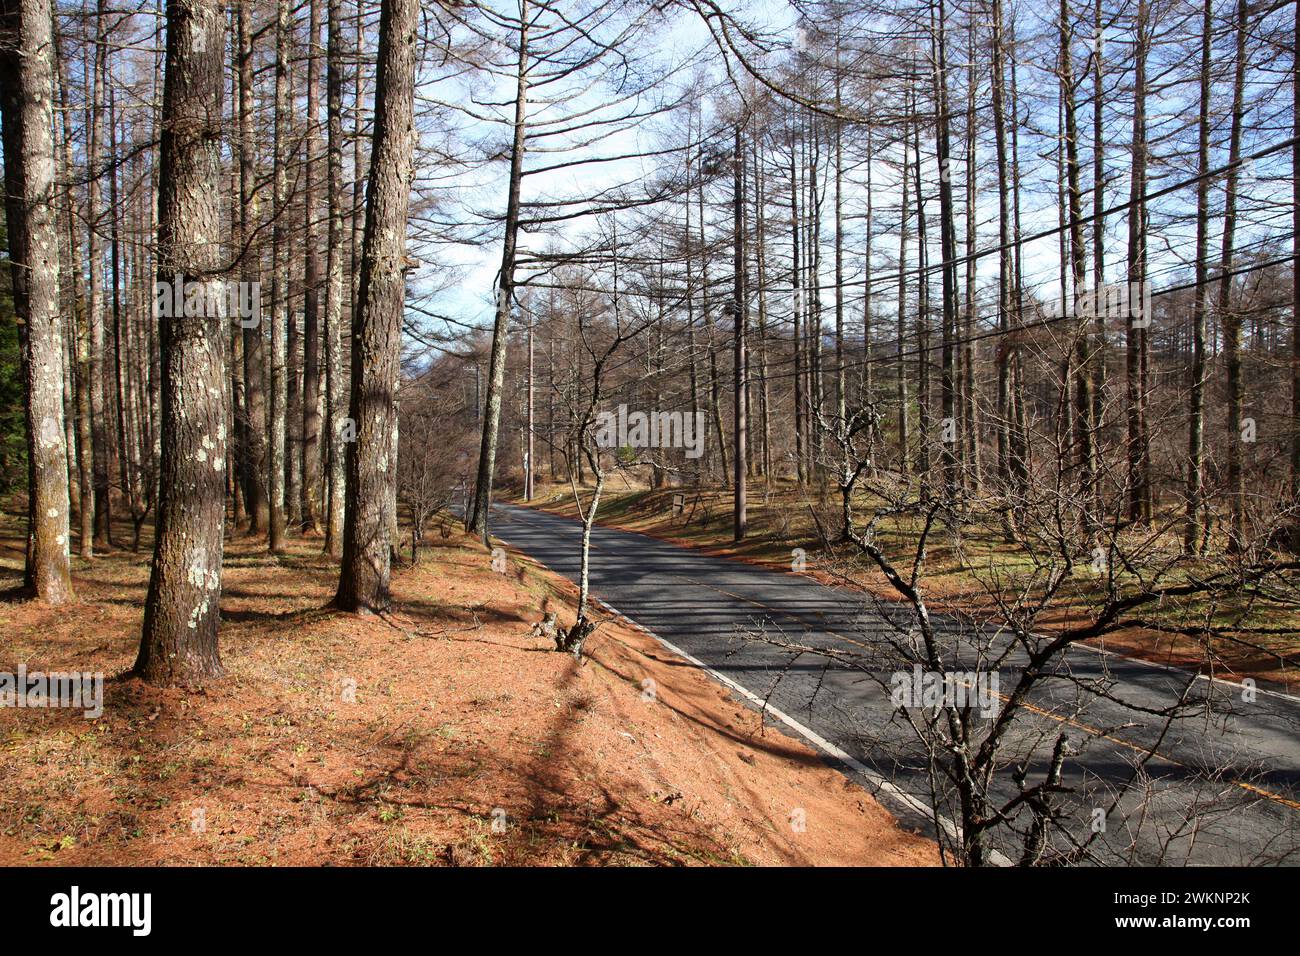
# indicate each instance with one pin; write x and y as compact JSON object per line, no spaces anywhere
{"x":1222,"y":791}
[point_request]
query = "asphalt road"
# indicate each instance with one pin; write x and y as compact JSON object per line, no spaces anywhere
{"x":1223,"y":789}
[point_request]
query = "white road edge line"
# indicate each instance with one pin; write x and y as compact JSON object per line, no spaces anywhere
{"x":1105,"y":652}
{"x":814,"y":738}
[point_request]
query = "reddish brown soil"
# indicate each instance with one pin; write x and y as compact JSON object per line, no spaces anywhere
{"x":458,"y":711}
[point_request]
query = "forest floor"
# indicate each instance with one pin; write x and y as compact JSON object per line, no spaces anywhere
{"x":336,"y":739}
{"x":779,"y":520}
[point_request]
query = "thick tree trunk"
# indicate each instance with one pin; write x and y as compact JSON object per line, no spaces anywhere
{"x":377,"y":333}
{"x":28,"y":100}
{"x":179,"y":643}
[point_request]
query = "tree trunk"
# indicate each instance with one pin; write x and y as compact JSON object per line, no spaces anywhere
{"x":94,"y":311}
{"x":1230,"y":317}
{"x":1192,"y":531}
{"x":80,"y":334}
{"x":739,"y":314}
{"x":760,"y":267}
{"x":1003,"y":402}
{"x":1098,"y":234}
{"x":255,"y":451}
{"x":377,"y":331}
{"x":334,"y":409}
{"x":179,"y":643}
{"x":30,"y":188}
{"x":948,"y":251}
{"x":901,"y":371}
{"x":970,"y":428}
{"x":476,"y":521}
{"x":923,"y":396}
{"x":280,"y":314}
{"x":1083,"y":425}
{"x":1295,"y":279}
{"x":311,"y":418}
{"x":796,"y":273}
{"x":1139,"y":503}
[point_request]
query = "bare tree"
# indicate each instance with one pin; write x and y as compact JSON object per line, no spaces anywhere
{"x":377,"y":324}
{"x":28,"y":59}
{"x":334,"y":409}
{"x":476,"y":516}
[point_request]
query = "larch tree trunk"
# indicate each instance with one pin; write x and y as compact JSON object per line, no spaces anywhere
{"x":1098,"y":229}
{"x":280,"y":315}
{"x":901,"y":329}
{"x":80,"y":345}
{"x":1192,"y":531}
{"x":94,"y":300}
{"x":30,"y":186}
{"x":1083,"y":409}
{"x":1135,"y":352}
{"x":1230,"y":317}
{"x":1003,"y":401}
{"x":948,"y":251}
{"x":179,"y":643}
{"x":740,"y":295}
{"x":377,"y":331}
{"x":334,"y":408}
{"x":1295,"y":278}
{"x":255,"y":450}
{"x":476,"y":519}
{"x":311,"y":415}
